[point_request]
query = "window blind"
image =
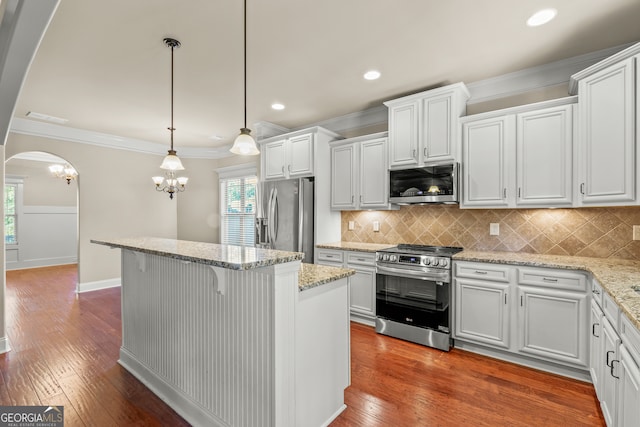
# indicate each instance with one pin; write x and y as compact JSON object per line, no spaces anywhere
{"x":238,"y":210}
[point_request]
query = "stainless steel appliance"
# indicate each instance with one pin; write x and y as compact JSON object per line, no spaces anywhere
{"x":413,"y":294}
{"x":284,"y":216}
{"x":438,"y":184}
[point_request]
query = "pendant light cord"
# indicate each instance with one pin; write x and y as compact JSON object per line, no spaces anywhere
{"x":245,"y":62}
{"x":171,"y":129}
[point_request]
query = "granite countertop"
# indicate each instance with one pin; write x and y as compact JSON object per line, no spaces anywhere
{"x":355,"y":246}
{"x":225,"y":256}
{"x":312,"y":275}
{"x":618,"y":277}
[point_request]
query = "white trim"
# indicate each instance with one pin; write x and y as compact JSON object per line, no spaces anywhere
{"x":356,"y":120}
{"x":4,"y":345}
{"x":66,"y":133}
{"x":551,"y":74}
{"x":630,"y":51}
{"x":521,"y":109}
{"x":98,"y":285}
{"x":40,"y":262}
{"x":235,"y":171}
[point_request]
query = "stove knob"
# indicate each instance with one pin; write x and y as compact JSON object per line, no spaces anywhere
{"x":426,"y":261}
{"x":435,"y":262}
{"x":385,"y":257}
{"x":393,"y":258}
{"x":444,"y":262}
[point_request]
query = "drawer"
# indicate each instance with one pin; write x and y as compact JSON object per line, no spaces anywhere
{"x":361,"y":258}
{"x":552,"y":278}
{"x":330,"y":255}
{"x":483,"y":271}
{"x":596,"y":291}
{"x":611,"y":310}
{"x":630,"y":337}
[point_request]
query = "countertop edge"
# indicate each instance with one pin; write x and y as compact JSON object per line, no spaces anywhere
{"x":355,"y":246}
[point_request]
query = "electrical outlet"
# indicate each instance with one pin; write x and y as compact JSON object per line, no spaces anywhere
{"x":494,"y":229}
{"x":636,"y":232}
{"x":352,"y":225}
{"x":376,"y":225}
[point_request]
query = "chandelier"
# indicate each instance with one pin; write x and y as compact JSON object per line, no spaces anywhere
{"x":244,"y":143}
{"x":64,"y":171}
{"x":169,"y":183}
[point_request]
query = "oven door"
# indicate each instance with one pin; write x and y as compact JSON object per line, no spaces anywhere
{"x":414,"y":297}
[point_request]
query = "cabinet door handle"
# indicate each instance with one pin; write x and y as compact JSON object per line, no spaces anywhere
{"x":414,"y":153}
{"x":612,"y":374}
{"x":595,"y":291}
{"x":547,"y":279}
{"x":352,"y":199}
{"x":504,"y":193}
{"x":282,"y":168}
{"x":289,"y":168}
{"x":519,"y":192}
{"x":593,"y":330}
{"x":582,"y":188}
{"x":521,"y":301}
{"x":505,"y":298}
{"x":426,"y":152}
{"x":609,"y":363}
{"x":361,"y":198}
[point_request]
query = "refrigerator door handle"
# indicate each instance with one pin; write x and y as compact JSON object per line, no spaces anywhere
{"x":273,"y":217}
{"x":269,"y":218}
{"x":300,"y":214}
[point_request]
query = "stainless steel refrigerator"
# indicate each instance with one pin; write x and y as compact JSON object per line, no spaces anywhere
{"x":284,"y":217}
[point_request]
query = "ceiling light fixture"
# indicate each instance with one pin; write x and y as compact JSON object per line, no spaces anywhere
{"x":277,"y":106}
{"x":65,"y":171}
{"x":372,"y":75}
{"x":244,"y":143}
{"x":171,"y":163}
{"x":541,"y":17}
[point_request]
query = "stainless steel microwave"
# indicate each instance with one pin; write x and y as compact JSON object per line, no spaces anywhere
{"x":429,"y":184}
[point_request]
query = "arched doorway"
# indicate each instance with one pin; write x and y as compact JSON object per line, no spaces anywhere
{"x":41,"y":212}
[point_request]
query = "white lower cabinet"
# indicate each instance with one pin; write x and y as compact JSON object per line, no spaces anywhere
{"x":362,"y":285}
{"x":629,"y":399}
{"x":595,"y":350}
{"x":609,"y":384}
{"x":532,"y":314}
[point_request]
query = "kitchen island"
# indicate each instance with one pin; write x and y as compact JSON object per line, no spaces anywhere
{"x":235,"y":336}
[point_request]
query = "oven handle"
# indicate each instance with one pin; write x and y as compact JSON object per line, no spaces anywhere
{"x":421,"y":275}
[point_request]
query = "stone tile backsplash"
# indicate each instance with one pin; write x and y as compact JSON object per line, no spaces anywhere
{"x":592,"y":232}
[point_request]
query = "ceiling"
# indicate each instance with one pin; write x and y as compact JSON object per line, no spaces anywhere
{"x":103,"y":65}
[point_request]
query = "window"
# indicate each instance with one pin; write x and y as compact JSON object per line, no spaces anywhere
{"x":238,"y":210}
{"x":10,"y":216}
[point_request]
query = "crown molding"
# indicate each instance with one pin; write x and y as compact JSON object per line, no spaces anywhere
{"x":357,"y":120}
{"x":632,"y":50}
{"x":551,"y":74}
{"x":66,"y":133}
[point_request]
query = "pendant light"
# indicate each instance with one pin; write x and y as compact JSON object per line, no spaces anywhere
{"x":171,"y":163}
{"x":244,"y":143}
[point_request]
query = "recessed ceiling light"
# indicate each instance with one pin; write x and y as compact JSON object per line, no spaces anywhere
{"x":216,"y":137}
{"x":372,"y":75}
{"x":277,"y":106}
{"x":40,"y":116}
{"x":541,"y":17}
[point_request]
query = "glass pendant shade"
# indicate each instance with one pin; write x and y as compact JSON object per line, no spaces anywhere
{"x":244,"y":144}
{"x":172,"y":162}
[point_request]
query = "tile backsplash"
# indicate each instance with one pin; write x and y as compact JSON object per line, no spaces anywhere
{"x":591,"y":232}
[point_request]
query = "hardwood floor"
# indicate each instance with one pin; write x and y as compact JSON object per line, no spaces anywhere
{"x":65,"y":350}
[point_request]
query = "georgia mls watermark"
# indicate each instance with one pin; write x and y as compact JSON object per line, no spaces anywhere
{"x":31,"y":416}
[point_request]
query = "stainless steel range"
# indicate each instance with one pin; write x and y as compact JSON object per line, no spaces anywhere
{"x":413,"y":294}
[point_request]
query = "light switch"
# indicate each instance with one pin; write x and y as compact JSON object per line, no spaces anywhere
{"x":494,"y":229}
{"x":376,"y":225}
{"x":352,"y":225}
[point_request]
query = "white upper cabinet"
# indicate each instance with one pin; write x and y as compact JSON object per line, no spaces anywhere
{"x":606,"y":154}
{"x":544,"y":145}
{"x":488,"y":162}
{"x":519,"y":157}
{"x":423,"y":127}
{"x":359,"y":173}
{"x":288,"y":157}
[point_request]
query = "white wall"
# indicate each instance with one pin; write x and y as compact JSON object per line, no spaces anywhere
{"x":116,"y":199}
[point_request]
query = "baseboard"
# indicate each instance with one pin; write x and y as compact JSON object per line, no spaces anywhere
{"x":4,"y":345}
{"x":43,"y":262}
{"x":362,"y":319}
{"x":99,"y":284}
{"x":541,"y":365}
{"x":172,"y":396}
{"x":334,"y":416}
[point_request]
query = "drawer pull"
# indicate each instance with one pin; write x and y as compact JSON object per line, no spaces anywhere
{"x":329,"y":256}
{"x":612,"y":374}
{"x":593,"y":330}
{"x":547,"y":279}
{"x":480,"y":272}
{"x":361,"y":259}
{"x":609,"y":363}
{"x":595,"y":291}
